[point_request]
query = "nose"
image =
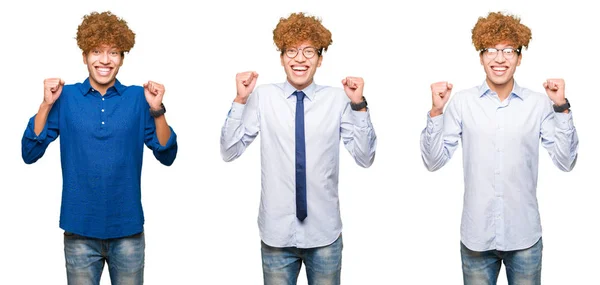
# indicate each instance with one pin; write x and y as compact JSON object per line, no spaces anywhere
{"x":300,"y":56}
{"x":104,"y":58}
{"x":500,"y":57}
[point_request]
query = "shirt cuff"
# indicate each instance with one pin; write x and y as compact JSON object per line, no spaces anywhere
{"x":435,"y":124}
{"x":236,"y":111}
{"x":361,"y":119}
{"x":564,"y":121}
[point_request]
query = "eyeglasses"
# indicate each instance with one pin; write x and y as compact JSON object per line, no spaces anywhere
{"x":508,"y":53}
{"x":308,"y":52}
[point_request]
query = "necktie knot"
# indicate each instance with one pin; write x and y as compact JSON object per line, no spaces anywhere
{"x":299,"y":96}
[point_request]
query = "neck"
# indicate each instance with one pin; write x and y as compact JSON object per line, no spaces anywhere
{"x":101,"y":88}
{"x":503,"y":90}
{"x":300,"y":87}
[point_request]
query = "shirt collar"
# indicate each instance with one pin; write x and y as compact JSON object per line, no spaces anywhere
{"x":86,"y":87}
{"x":309,"y":91}
{"x":517,"y":90}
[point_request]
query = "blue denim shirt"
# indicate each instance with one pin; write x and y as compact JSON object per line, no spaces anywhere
{"x":101,"y":149}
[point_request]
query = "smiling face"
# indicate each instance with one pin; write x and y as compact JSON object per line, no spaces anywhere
{"x":103,"y":65}
{"x":300,"y":70}
{"x":499,"y":69}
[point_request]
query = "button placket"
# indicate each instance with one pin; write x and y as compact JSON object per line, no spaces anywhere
{"x":498,"y":187}
{"x":102,"y":112}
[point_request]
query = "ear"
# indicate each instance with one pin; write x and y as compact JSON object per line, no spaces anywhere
{"x":84,"y":58}
{"x":519,"y":59}
{"x":319,"y":61}
{"x":122,"y":59}
{"x":481,"y":58}
{"x":282,"y":62}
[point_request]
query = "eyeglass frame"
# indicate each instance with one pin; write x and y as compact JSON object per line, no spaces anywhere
{"x":517,"y":50}
{"x":318,"y":50}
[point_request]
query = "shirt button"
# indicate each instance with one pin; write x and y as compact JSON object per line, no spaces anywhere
{"x":103,"y":110}
{"x":102,"y":99}
{"x":497,"y":171}
{"x":103,"y":123}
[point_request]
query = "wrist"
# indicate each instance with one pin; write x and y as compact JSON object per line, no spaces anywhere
{"x":357,"y":100}
{"x":157,"y":112}
{"x":156,"y":107}
{"x":240,"y":100}
{"x":45,"y":106}
{"x":560,"y":102}
{"x":562,"y":107}
{"x":435,"y":112}
{"x":360,"y":105}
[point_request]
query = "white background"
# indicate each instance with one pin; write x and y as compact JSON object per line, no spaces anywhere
{"x":401,"y":222}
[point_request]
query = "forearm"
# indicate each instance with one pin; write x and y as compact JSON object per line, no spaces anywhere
{"x":163,"y":132}
{"x":364,"y":146}
{"x":238,"y":131}
{"x":434,"y":151}
{"x":359,"y":137}
{"x":41,"y":118}
{"x":232,"y":143}
{"x":566,"y":142}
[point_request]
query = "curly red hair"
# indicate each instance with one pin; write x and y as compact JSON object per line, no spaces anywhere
{"x":298,"y":28}
{"x":104,"y":28}
{"x":497,"y":28}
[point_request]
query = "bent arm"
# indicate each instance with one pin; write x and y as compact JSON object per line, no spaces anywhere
{"x":359,"y":136}
{"x":440,"y":137}
{"x":559,"y":138}
{"x":241,"y":127}
{"x":41,"y":130}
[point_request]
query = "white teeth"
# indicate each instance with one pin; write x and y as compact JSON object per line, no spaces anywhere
{"x":499,"y":68}
{"x":299,"y":68}
{"x":103,"y":71}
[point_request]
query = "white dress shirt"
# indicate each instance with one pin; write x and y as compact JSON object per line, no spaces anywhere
{"x":270,"y":110}
{"x":500,"y":141}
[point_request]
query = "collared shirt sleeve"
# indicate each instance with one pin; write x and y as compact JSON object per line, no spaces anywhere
{"x":34,"y":146}
{"x":165,"y":154}
{"x":241,"y":127}
{"x":358,"y":135}
{"x":440,"y":137}
{"x":560,"y":139}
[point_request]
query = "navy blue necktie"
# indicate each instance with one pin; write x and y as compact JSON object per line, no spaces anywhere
{"x":301,"y":211}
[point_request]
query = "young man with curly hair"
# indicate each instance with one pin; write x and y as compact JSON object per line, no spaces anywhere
{"x":301,"y":125}
{"x":500,"y":125}
{"x":103,"y":126}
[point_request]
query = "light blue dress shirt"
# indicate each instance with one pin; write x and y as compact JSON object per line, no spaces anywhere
{"x":500,"y":143}
{"x":270,"y":110}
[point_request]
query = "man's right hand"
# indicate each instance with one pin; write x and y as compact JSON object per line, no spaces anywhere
{"x":52,"y":89}
{"x":245,"y":82}
{"x":440,"y":94}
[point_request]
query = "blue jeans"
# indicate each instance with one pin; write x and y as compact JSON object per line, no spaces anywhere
{"x":85,"y":259}
{"x":523,"y":267}
{"x":281,"y":266}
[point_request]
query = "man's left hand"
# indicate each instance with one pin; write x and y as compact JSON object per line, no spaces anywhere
{"x":154,"y":94}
